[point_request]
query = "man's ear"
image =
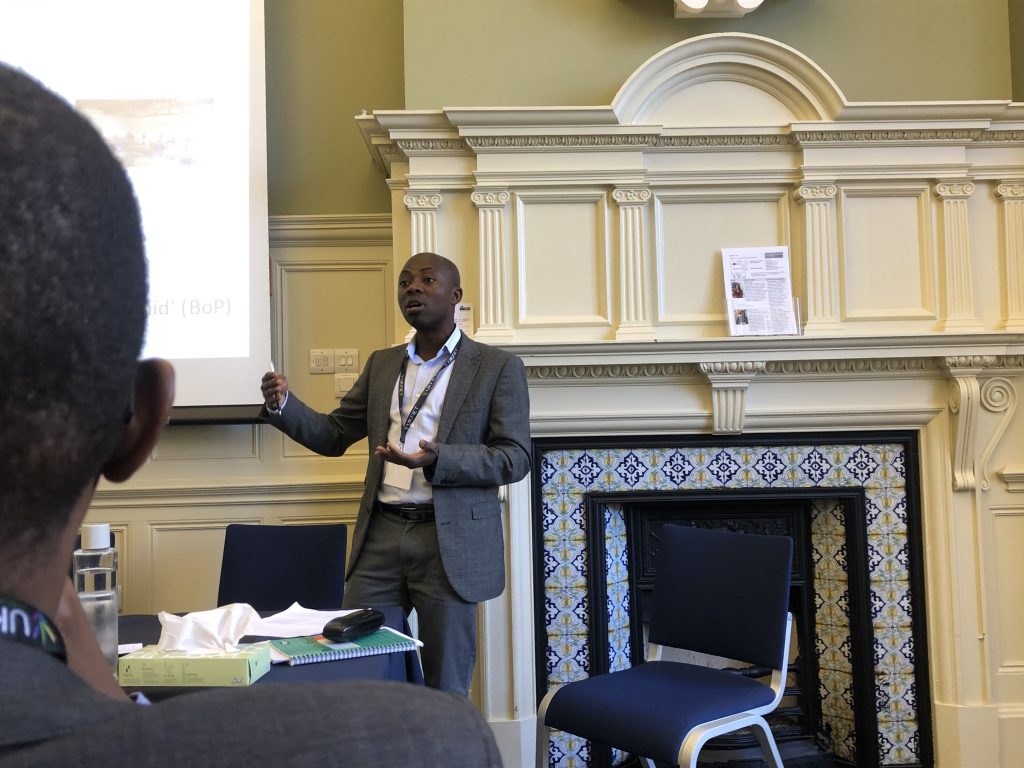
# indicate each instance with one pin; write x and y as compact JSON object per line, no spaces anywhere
{"x":154,"y":395}
{"x":457,"y":295}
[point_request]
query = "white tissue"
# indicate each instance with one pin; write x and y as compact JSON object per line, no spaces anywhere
{"x":214,"y":631}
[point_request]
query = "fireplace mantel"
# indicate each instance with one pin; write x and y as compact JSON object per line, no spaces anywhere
{"x":1007,"y":348}
{"x":589,"y":241}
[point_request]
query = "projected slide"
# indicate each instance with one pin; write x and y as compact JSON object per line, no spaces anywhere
{"x":177,"y":91}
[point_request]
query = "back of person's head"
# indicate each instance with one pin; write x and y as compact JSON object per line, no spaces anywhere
{"x":72,"y":306}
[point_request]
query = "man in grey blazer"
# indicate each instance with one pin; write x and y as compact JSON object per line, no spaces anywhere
{"x":73,"y":306}
{"x":448,"y":422}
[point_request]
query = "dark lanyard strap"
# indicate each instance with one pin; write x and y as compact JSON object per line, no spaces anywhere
{"x":423,"y":395}
{"x":24,"y":624}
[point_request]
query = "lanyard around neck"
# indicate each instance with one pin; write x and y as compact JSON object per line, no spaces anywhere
{"x":423,"y":395}
{"x":24,"y":624}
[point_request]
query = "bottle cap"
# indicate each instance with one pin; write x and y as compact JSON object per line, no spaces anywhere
{"x":96,"y":536}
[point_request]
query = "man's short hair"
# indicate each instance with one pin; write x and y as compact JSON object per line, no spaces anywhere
{"x":72,"y":306}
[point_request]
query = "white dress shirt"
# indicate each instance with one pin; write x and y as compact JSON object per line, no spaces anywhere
{"x":418,"y":373}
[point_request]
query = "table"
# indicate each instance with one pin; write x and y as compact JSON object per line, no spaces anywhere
{"x":403,"y":666}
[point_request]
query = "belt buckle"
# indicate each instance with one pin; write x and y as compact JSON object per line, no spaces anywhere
{"x":410,"y":514}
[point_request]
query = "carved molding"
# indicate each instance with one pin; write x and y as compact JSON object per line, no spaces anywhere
{"x":560,"y":141}
{"x":445,"y":146}
{"x":1010,"y":190}
{"x":422,"y":201}
{"x":998,"y":395}
{"x":398,"y":149}
{"x":624,"y":371}
{"x":729,"y":383}
{"x":490,"y":197}
{"x":845,"y":367}
{"x":963,"y":406}
{"x":893,"y":135}
{"x":954,"y":190}
{"x":964,"y":399}
{"x":807,"y":192}
{"x":971,"y":362}
{"x":1008,"y":136}
{"x":799,"y":369}
{"x":631,"y":195}
{"x":724,"y":140}
{"x":732,"y":368}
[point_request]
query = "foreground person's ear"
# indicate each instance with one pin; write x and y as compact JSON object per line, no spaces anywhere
{"x":151,"y":409}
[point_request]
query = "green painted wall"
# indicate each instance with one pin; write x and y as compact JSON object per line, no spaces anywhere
{"x":327,"y":60}
{"x":578,"y":52}
{"x":1016,"y":14}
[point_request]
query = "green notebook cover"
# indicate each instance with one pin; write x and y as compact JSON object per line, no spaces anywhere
{"x":314,"y":648}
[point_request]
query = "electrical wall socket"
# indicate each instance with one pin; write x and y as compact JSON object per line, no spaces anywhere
{"x":346,"y":361}
{"x":321,"y":361}
{"x":343,"y":382}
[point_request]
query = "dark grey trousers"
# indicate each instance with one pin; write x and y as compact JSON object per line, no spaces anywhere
{"x":400,"y":564}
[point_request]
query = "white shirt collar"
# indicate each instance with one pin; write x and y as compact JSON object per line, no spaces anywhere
{"x":449,"y":345}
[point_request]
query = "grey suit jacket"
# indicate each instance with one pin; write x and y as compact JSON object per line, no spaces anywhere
{"x":484,"y":442}
{"x":49,"y":718}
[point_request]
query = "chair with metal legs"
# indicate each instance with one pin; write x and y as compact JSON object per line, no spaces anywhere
{"x":718,"y":593}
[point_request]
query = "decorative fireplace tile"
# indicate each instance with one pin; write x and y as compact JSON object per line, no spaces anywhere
{"x":618,"y":589}
{"x":832,"y":626}
{"x":880,"y":469}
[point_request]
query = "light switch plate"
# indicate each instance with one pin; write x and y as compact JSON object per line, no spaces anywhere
{"x":321,"y":361}
{"x":343,"y":382}
{"x":346,"y":360}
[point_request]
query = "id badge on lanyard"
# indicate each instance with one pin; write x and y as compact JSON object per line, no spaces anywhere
{"x":396,"y":475}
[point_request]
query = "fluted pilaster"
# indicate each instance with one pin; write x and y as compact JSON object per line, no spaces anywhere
{"x":634,"y":312}
{"x":821,"y":243}
{"x":494,"y":325}
{"x":1012,"y":195}
{"x":423,"y":207}
{"x":956,"y":255}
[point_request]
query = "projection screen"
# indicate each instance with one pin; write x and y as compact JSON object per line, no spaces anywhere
{"x":178,"y":91}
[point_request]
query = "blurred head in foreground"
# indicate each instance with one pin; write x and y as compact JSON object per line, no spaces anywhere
{"x":76,"y":402}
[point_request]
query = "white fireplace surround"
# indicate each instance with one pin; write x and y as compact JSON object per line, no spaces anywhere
{"x":589,"y":239}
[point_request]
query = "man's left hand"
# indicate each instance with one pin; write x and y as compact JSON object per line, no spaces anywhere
{"x":424,"y":457}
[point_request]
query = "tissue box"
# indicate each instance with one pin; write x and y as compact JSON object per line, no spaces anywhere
{"x":150,"y":667}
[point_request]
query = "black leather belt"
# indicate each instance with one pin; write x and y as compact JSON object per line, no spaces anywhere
{"x":409,"y":513}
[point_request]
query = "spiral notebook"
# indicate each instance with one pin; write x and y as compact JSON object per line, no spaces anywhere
{"x":314,"y":648}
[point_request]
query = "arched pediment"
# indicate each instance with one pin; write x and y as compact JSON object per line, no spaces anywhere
{"x":727,"y":79}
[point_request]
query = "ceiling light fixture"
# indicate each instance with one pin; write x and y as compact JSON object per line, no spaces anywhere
{"x":715,"y":9}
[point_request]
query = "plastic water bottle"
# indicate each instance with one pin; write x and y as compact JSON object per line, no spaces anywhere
{"x":96,"y":583}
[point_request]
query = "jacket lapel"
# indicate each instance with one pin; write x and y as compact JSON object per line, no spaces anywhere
{"x":379,"y":414}
{"x":463,"y":372}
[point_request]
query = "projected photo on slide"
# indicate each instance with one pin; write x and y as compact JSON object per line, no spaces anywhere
{"x":166,"y":146}
{"x":178,"y":93}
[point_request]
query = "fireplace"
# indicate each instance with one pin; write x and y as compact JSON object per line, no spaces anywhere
{"x":860,"y":694}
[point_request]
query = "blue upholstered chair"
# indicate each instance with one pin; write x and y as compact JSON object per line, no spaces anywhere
{"x":715,"y":592}
{"x":272,"y":566}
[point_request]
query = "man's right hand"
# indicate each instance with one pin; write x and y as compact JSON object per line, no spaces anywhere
{"x":275,"y":387}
